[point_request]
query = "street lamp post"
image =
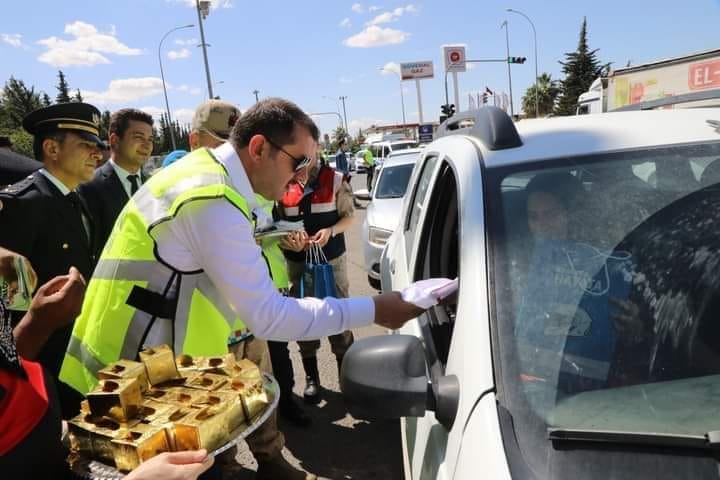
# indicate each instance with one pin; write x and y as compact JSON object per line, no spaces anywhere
{"x":162,"y":76}
{"x":507,"y":45}
{"x":343,"y":98}
{"x":537,"y":93}
{"x":206,"y":6}
{"x":402,"y":98}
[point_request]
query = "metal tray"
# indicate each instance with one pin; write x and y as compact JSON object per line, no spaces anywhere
{"x":94,"y":470}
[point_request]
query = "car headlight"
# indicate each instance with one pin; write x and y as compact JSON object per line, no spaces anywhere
{"x":379,"y":236}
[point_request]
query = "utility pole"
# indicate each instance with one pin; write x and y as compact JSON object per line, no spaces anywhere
{"x":507,"y":44}
{"x":342,"y":98}
{"x":162,"y":76}
{"x":204,"y":49}
{"x":257,"y":99}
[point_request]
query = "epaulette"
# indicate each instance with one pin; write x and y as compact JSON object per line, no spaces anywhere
{"x":20,"y":187}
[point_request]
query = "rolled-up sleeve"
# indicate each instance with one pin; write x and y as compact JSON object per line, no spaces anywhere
{"x":218,"y":237}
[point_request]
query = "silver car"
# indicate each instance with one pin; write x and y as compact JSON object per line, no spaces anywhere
{"x":383,"y":212}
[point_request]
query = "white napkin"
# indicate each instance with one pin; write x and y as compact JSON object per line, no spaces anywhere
{"x":427,"y":293}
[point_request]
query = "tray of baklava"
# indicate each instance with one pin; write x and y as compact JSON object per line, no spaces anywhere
{"x":165,"y":403}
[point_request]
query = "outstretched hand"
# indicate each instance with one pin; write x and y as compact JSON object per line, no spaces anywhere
{"x":187,"y":465}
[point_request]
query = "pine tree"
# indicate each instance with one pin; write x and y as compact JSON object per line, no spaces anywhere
{"x":581,"y":68}
{"x":18,"y":101}
{"x":105,"y":125}
{"x":63,"y":89}
{"x":46,"y":102}
{"x":77,"y":97}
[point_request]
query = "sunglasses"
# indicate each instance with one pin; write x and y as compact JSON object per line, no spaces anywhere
{"x":300,"y":163}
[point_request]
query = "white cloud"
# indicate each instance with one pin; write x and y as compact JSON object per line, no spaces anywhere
{"x":363,"y":123}
{"x":357,"y":8}
{"x":345,"y":79}
{"x":125,"y":90}
{"x":392,"y":16}
{"x":178,"y":54}
{"x":184,"y":115}
{"x":345,"y":23}
{"x":155,"y":112}
{"x":374,"y":36}
{"x":86,"y":48}
{"x":373,"y":8}
{"x":390,"y":67}
{"x":189,"y":89}
{"x":189,"y":41}
{"x":13,"y":39}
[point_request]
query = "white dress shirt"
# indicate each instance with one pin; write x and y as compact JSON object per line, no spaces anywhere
{"x":214,"y":236}
{"x":123,"y":174}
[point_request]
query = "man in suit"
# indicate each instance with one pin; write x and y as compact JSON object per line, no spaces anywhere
{"x":131,"y":144}
{"x":44,"y":219}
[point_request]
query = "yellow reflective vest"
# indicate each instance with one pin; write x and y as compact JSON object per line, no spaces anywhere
{"x":132,"y":289}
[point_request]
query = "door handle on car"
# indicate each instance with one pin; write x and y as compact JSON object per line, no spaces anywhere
{"x":392,"y":267}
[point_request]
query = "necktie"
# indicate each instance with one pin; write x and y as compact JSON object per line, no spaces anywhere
{"x":74,"y":199}
{"x":134,"y":183}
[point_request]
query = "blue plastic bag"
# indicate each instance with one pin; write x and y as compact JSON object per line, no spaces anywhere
{"x":318,"y":279}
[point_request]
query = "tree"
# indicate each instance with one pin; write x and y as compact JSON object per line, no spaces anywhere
{"x":581,"y":68}
{"x":18,"y":101}
{"x":338,"y":134}
{"x":63,"y":89}
{"x":77,"y":97}
{"x":105,"y":125}
{"x":46,"y":102}
{"x":547,"y":92}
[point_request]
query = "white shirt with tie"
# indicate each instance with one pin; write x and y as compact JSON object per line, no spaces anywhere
{"x":123,"y":176}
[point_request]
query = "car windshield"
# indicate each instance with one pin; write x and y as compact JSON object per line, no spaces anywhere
{"x":393,"y":181}
{"x":605,"y":275}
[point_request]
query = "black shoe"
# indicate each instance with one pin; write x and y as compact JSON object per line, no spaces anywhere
{"x":294,"y":413}
{"x":312,"y":391}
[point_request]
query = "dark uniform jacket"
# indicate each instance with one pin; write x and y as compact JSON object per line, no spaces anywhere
{"x":105,"y":196}
{"x":14,"y":167}
{"x":39,"y":222}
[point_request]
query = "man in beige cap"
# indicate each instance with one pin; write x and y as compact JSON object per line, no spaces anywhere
{"x":211,"y":125}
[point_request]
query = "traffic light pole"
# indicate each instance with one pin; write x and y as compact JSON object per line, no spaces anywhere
{"x":507,"y":45}
{"x":484,"y":60}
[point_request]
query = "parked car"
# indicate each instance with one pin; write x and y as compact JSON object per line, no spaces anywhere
{"x":381,"y":150}
{"x":359,"y":161}
{"x":383,"y":211}
{"x":587,"y":350}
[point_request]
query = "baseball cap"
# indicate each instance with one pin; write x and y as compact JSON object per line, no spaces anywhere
{"x":215,"y":117}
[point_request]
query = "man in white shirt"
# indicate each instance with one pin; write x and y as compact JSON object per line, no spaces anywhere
{"x":131,"y":144}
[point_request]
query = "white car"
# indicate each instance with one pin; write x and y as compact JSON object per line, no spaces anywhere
{"x":383,"y":211}
{"x":584,"y":340}
{"x":359,"y":161}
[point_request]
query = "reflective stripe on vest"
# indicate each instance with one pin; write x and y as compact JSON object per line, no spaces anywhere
{"x":198,"y":319}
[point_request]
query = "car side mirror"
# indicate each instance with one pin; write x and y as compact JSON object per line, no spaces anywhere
{"x":362,"y":194}
{"x":386,"y":377}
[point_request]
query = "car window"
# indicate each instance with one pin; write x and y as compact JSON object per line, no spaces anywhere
{"x":605,"y":292}
{"x":385,"y":151}
{"x":417,"y":202}
{"x":393,"y":181}
{"x":396,"y":147}
{"x":438,"y":256}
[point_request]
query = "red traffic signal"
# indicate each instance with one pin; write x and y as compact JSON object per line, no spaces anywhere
{"x":516,"y":59}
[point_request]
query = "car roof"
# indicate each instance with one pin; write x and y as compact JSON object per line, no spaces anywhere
{"x":605,"y":132}
{"x":403,"y":157}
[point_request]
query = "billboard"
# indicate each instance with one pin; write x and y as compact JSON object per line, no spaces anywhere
{"x":416,"y":70}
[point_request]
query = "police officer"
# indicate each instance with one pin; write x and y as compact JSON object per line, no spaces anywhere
{"x":43,"y":218}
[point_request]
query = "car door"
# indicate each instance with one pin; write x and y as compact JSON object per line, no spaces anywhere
{"x":443,"y":229}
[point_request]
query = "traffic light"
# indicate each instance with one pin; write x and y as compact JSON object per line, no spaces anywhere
{"x":516,"y":59}
{"x":448,"y":109}
{"x":484,"y":97}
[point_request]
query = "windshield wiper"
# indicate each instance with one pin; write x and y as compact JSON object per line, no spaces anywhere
{"x":708,"y":441}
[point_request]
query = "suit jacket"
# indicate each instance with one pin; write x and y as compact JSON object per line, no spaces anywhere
{"x":14,"y":167}
{"x":105,"y":196}
{"x":39,"y":222}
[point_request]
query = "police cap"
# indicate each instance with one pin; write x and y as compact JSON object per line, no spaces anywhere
{"x":82,"y":119}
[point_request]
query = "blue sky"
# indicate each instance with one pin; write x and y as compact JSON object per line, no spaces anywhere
{"x":309,"y":50}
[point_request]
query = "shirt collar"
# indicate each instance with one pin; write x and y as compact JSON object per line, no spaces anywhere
{"x":227,"y":155}
{"x":121,"y":172}
{"x":55,"y":181}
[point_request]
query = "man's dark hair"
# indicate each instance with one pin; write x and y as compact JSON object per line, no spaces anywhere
{"x":39,"y":138}
{"x":120,"y":120}
{"x":341,"y":142}
{"x":274,"y":118}
{"x":565,"y":187}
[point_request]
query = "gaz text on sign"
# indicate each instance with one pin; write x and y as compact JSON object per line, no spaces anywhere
{"x":416,"y":70}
